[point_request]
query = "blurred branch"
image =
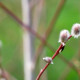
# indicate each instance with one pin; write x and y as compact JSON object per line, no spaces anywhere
{"x":50,"y":28}
{"x":27,"y":42}
{"x":4,"y":75}
{"x":69,"y":63}
{"x":67,"y":70}
{"x":7,"y":76}
{"x":26,"y":27}
{"x":37,"y":14}
{"x":54,"y":19}
{"x":34,"y":2}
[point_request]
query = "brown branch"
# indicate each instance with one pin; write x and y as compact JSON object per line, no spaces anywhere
{"x":56,"y":53}
{"x":50,"y":28}
{"x":54,"y":19}
{"x":66,"y":71}
{"x":69,"y":63}
{"x":26,"y":27}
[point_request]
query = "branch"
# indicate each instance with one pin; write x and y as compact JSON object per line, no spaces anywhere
{"x":56,"y":53}
{"x":26,"y":27}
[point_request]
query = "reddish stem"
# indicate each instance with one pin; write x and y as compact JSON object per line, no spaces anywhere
{"x":56,"y":53}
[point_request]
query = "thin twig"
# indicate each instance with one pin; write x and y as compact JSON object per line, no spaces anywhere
{"x":56,"y":53}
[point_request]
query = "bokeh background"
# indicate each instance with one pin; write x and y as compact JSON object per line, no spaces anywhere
{"x":11,"y":52}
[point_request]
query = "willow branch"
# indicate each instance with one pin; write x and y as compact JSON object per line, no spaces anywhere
{"x":56,"y":53}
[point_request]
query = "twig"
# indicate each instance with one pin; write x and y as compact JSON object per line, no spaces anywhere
{"x":55,"y":17}
{"x":56,"y":53}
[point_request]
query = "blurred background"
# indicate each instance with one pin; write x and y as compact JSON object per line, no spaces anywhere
{"x":21,"y":52}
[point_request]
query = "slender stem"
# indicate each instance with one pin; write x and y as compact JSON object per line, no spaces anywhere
{"x":56,"y":53}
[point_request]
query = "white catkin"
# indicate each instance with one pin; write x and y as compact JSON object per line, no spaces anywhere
{"x":48,"y":59}
{"x":75,"y":31}
{"x":64,"y":35}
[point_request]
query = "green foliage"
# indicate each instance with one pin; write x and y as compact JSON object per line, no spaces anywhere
{"x":11,"y":36}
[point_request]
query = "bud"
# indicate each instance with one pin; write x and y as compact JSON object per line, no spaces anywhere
{"x":48,"y":60}
{"x":75,"y":31}
{"x":64,"y":35}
